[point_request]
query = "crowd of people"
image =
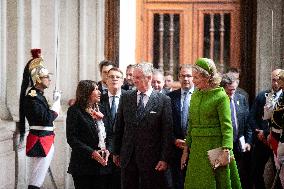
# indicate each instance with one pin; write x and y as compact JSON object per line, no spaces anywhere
{"x":142,"y":132}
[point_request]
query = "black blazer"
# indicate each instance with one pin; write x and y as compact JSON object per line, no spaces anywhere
{"x":37,"y":109}
{"x":82,"y":136}
{"x":176,"y":110}
{"x":242,"y":111}
{"x":108,"y":122}
{"x":148,"y":136}
{"x":256,"y":113}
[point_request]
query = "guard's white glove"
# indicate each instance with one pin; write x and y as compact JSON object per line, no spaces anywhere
{"x":280,"y":152}
{"x":56,"y":104}
{"x":269,"y":106}
{"x":56,"y":95}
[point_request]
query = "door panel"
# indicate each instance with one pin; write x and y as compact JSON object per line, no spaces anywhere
{"x":231,"y":48}
{"x":206,"y":28}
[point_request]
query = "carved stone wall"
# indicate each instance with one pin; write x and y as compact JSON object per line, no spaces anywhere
{"x":269,"y":41}
{"x":71,"y":31}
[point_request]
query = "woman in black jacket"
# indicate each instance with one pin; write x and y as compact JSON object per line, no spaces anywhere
{"x":85,"y":135}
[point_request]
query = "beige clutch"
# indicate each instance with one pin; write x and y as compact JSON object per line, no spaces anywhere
{"x":219,"y":157}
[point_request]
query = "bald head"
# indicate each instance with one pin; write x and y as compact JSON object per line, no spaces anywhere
{"x":274,"y":80}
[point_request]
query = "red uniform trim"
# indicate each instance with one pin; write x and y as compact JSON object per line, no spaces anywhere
{"x":45,"y":141}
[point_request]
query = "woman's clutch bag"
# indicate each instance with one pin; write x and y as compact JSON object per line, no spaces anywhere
{"x":219,"y":157}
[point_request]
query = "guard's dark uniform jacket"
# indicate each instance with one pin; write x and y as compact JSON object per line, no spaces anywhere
{"x":277,"y":124}
{"x":40,"y":118}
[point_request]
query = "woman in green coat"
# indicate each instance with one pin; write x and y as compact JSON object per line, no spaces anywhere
{"x":209,"y":127}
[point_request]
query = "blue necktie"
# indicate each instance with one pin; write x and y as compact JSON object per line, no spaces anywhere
{"x":233,"y":118}
{"x":140,"y":108}
{"x":113,"y":108}
{"x":184,"y":118}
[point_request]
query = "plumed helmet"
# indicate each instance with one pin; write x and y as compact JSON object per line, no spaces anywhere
{"x":36,"y":53}
{"x":37,"y":70}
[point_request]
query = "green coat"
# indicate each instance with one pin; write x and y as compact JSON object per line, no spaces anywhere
{"x":210,"y":127}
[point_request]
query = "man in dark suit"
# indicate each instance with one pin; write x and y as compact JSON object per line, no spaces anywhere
{"x":128,"y":81}
{"x":108,"y":106}
{"x":260,"y":128}
{"x":142,"y":137}
{"x":236,"y":73}
{"x":158,"y":81}
{"x":180,"y":127}
{"x":104,"y":66}
{"x":168,"y":81}
{"x":241,"y":129}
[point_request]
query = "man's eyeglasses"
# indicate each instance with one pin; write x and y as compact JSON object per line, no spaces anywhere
{"x":114,"y":77}
{"x":186,"y":75}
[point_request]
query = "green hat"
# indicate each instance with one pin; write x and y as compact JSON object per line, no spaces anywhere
{"x":204,"y":63}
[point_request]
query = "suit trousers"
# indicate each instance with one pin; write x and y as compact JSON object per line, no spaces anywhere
{"x":133,"y":177}
{"x":89,"y":181}
{"x":260,"y":155}
{"x":243,"y":160}
{"x":177,"y":175}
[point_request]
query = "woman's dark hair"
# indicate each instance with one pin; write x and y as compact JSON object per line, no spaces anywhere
{"x":84,"y":91}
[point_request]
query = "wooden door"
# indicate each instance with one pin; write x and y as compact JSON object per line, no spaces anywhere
{"x":174,"y":32}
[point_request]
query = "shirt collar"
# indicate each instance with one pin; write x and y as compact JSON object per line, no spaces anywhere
{"x":148,"y":92}
{"x":278,"y":92}
{"x":118,"y":93}
{"x":190,"y":90}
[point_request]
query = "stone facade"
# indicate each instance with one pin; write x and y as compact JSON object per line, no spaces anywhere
{"x":79,"y":27}
{"x":269,"y":40}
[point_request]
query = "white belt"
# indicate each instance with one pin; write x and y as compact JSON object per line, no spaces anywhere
{"x":279,"y":131}
{"x":42,"y":128}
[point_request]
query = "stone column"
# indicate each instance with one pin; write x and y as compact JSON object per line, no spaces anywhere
{"x":127,"y":34}
{"x":268,"y":41}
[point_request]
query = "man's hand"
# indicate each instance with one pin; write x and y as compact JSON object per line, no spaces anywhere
{"x":260,"y":135}
{"x":247,"y":147}
{"x":161,"y":166}
{"x":97,"y":156}
{"x":184,"y":157}
{"x":56,"y":95}
{"x":116,"y":160}
{"x":180,"y":143}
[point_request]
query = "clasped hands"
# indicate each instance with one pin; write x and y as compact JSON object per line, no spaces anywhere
{"x":101,"y":156}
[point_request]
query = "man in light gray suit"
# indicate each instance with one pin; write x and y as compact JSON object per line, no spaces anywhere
{"x":142,"y":134}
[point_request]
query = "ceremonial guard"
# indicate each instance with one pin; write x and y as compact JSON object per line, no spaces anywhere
{"x":40,"y":116}
{"x":276,"y":134}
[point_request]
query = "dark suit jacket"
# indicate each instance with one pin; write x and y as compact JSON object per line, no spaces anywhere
{"x":100,"y":87}
{"x":108,"y":122}
{"x":149,"y":136}
{"x":82,"y":136}
{"x":165,"y":91}
{"x":128,"y":87}
{"x":243,"y":92}
{"x":256,"y":113}
{"x":242,"y":111}
{"x":176,"y":105}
